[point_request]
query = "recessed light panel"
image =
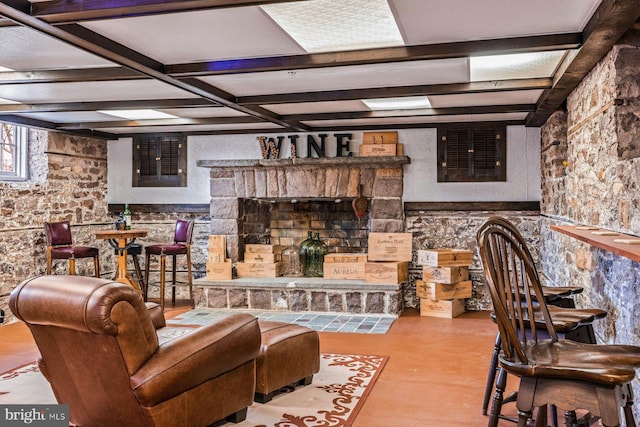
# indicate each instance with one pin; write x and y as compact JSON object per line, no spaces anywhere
{"x":329,"y":25}
{"x":404,"y":103}
{"x":515,"y":66}
{"x":4,"y":69}
{"x":138,"y":114}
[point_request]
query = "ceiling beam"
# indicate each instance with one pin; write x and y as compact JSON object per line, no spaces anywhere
{"x":398,"y":91}
{"x":610,"y":21}
{"x":106,"y":105}
{"x":97,"y":44}
{"x":379,"y":55}
{"x":65,"y":11}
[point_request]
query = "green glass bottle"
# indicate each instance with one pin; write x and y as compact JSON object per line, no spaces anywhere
{"x":304,"y":252}
{"x":317,"y":250}
{"x":127,"y":216}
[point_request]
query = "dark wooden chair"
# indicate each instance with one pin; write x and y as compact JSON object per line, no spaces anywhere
{"x":570,"y":323}
{"x":60,"y":246}
{"x":181,"y":245}
{"x":552,"y":371}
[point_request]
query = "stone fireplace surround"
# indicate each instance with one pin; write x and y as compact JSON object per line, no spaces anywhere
{"x":379,"y":179}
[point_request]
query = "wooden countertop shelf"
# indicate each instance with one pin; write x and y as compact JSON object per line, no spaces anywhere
{"x":618,"y":243}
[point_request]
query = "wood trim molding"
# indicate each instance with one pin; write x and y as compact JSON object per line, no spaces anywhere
{"x":115,"y":208}
{"x":471,"y":206}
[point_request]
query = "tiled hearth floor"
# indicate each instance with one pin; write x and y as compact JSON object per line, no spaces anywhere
{"x":323,"y":322}
{"x":435,"y":375}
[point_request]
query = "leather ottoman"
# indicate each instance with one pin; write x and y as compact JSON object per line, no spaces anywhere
{"x":290,"y":354}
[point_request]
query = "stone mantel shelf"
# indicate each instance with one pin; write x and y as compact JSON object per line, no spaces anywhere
{"x":379,"y":161}
{"x":602,"y":242}
{"x":294,"y":283}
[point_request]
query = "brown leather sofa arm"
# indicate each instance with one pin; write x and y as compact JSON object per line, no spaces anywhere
{"x":186,"y":362}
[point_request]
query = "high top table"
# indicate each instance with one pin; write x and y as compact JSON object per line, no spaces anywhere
{"x":122,"y":240}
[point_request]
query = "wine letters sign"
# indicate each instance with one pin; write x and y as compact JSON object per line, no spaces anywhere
{"x":316,"y":145}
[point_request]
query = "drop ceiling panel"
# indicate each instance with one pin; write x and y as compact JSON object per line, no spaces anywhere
{"x":489,"y":98}
{"x":71,"y":117}
{"x":442,"y":21}
{"x":91,"y":91}
{"x":418,"y":120}
{"x":200,"y":36}
{"x":194,"y":113}
{"x":189,"y":128}
{"x":317,"y":107}
{"x":336,"y":78}
{"x":25,"y":49}
{"x":518,"y":66}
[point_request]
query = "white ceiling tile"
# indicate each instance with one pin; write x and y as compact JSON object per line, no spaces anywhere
{"x":200,"y":36}
{"x":190,"y":128}
{"x":336,"y":78}
{"x":317,"y":107}
{"x":489,"y":98}
{"x":516,"y":66}
{"x":417,"y":120}
{"x":443,"y":21}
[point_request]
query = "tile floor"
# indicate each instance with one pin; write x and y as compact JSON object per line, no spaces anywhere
{"x":322,"y":322}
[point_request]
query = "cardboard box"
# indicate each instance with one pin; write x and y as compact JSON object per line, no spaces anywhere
{"x":219,"y":271}
{"x":445,"y":274}
{"x":346,"y":257}
{"x":443,"y":308}
{"x":373,"y":150}
{"x":386,"y":272}
{"x":390,"y":246}
{"x":445,"y":257}
{"x":440,"y":291}
{"x":343,"y":270}
{"x":390,"y":137}
{"x":261,"y":257}
{"x":260,"y":269}
{"x":263,"y":249}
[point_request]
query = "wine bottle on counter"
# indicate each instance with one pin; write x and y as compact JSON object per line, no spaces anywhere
{"x":127,"y":216}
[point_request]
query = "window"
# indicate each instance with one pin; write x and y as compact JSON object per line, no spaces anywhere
{"x":472,"y":153}
{"x":13,"y":152}
{"x":160,"y":160}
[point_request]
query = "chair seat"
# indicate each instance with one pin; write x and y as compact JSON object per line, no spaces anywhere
{"x":172,"y":249}
{"x":66,"y":252}
{"x":608,"y":365}
{"x":568,"y":319}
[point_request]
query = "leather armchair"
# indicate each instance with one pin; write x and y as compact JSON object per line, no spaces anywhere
{"x":100,"y":353}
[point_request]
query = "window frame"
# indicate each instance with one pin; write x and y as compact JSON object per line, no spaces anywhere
{"x":471,"y":173}
{"x":20,"y":145}
{"x":179,"y":163}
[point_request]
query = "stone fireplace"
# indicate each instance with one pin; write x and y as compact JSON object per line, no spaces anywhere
{"x":278,"y":201}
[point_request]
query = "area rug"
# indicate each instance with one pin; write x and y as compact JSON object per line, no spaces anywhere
{"x":322,"y":322}
{"x":333,"y":399}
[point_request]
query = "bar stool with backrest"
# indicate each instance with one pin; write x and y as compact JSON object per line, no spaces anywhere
{"x":571,"y":323}
{"x":181,"y":246}
{"x":552,"y":371}
{"x":60,"y":246}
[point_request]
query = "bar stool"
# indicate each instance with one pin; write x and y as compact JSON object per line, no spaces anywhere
{"x":60,"y":246}
{"x":181,"y":246}
{"x":134,"y":250}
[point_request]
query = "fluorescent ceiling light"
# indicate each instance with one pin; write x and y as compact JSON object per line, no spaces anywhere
{"x":329,"y":25}
{"x":519,"y":65}
{"x":404,"y":103}
{"x":138,"y":114}
{"x":5,"y":69}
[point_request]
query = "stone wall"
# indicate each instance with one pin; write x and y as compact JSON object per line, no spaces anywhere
{"x":457,"y":229}
{"x":67,"y":182}
{"x":598,"y":187}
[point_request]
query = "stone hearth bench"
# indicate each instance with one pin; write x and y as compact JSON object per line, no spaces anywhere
{"x":299,"y":295}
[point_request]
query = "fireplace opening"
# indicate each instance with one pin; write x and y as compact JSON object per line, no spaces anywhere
{"x":287,"y":222}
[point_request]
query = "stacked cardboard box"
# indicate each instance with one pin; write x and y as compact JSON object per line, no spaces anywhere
{"x":344,"y":266}
{"x":445,"y":282}
{"x":380,"y":144}
{"x":388,"y":257}
{"x":218,"y":265}
{"x":261,"y":261}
